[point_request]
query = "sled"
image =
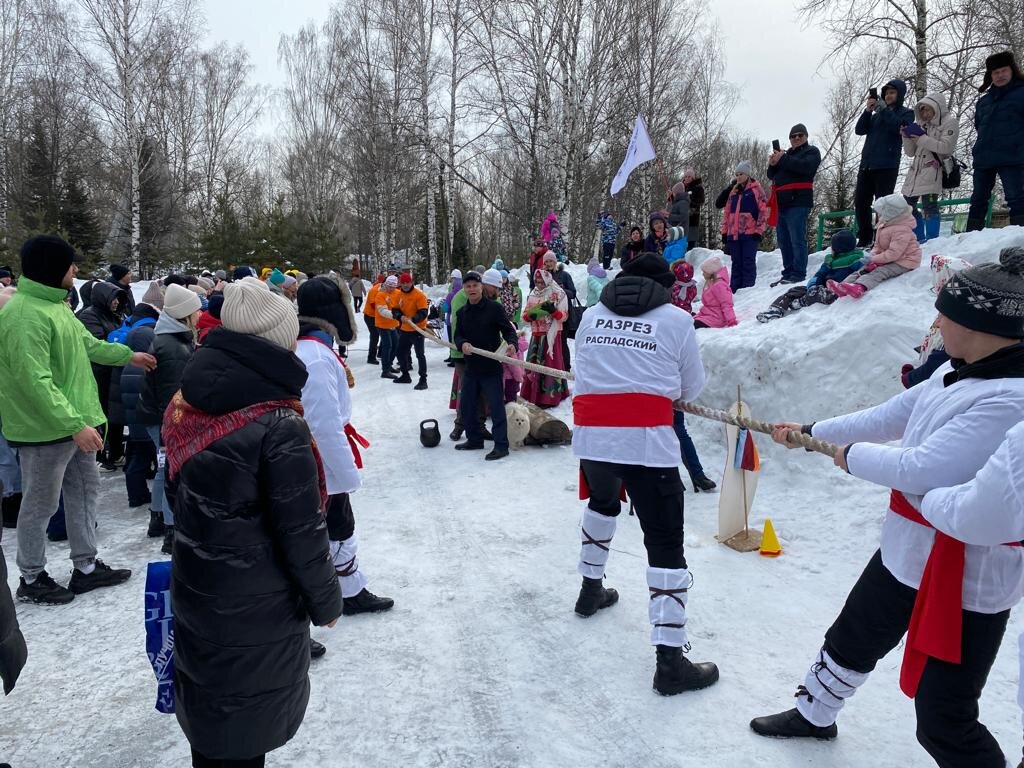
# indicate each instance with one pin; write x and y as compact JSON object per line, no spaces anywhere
{"x":737,"y":495}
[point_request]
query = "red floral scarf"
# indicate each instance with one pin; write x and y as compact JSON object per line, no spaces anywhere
{"x":188,"y":430}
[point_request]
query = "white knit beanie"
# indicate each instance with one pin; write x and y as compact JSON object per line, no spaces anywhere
{"x":250,"y":307}
{"x":180,"y":302}
{"x":391,"y":282}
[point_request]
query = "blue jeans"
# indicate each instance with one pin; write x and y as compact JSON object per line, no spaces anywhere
{"x":687,"y":450}
{"x":984,"y":182}
{"x":792,"y":236}
{"x":159,"y":503}
{"x":491,"y":387}
{"x":388,"y":348}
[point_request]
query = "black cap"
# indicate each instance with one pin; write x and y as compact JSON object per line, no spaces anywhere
{"x":471,"y":275}
{"x":46,"y":259}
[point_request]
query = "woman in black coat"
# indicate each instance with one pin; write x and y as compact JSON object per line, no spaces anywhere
{"x":252,"y":566}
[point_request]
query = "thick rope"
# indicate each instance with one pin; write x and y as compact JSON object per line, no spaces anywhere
{"x":795,"y":436}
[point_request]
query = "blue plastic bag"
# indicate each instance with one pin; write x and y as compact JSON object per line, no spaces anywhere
{"x":160,"y":632}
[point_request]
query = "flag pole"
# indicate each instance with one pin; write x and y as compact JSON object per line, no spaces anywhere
{"x":743,"y":471}
{"x":664,"y":176}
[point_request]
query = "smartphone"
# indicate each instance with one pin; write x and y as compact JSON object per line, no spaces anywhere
{"x":776,"y":146}
{"x":873,"y":93}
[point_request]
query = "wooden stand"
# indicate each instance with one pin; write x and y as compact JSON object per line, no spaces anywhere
{"x":737,"y":494}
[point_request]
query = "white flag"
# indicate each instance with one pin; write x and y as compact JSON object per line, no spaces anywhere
{"x":640,"y":151}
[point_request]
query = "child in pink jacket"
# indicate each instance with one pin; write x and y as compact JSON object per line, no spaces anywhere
{"x":716,"y":298}
{"x":896,"y":250}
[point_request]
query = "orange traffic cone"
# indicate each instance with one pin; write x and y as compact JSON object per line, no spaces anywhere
{"x":770,"y":546}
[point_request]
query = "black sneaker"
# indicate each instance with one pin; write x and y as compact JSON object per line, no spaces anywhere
{"x":102,"y":576}
{"x":44,"y":591}
{"x":388,"y":375}
{"x":469,"y":446}
{"x":497,"y":453}
{"x":316,"y":650}
{"x":168,"y":547}
{"x":421,"y":385}
{"x":792,"y":725}
{"x":372,"y":361}
{"x":675,"y":673}
{"x":156,"y":524}
{"x":594,"y":596}
{"x":366,"y":602}
{"x":405,"y":378}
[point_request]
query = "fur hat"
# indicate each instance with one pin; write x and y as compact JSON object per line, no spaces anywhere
{"x":989,"y":297}
{"x":998,"y":61}
{"x":250,"y":307}
{"x":180,"y":302}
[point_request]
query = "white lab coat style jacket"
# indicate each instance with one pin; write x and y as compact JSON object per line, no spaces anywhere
{"x":328,"y":408}
{"x":654,"y":353}
{"x":946,"y":435}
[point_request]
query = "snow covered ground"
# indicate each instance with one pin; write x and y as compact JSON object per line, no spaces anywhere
{"x":482,"y":662}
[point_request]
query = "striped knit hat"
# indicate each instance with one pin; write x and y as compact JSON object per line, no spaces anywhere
{"x":250,"y":307}
{"x":989,"y":297}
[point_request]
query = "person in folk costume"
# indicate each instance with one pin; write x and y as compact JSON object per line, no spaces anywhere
{"x":955,"y":601}
{"x":328,"y":411}
{"x":635,"y":355}
{"x":987,"y":511}
{"x":252,"y":561}
{"x":446,"y":306}
{"x":546,"y":309}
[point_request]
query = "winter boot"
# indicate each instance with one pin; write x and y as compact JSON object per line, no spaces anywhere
{"x":388,"y":375}
{"x":168,"y":547}
{"x":496,"y":453}
{"x":770,"y":314}
{"x":919,"y":227}
{"x":371,"y":360}
{"x":855,"y":290}
{"x":675,"y":673}
{"x":791,"y":725}
{"x":405,"y":378}
{"x":486,"y":433}
{"x":974,"y":225}
{"x":594,"y":596}
{"x":456,"y":433}
{"x":469,"y":446}
{"x":102,"y":576}
{"x":366,"y":602}
{"x":421,"y":384}
{"x":932,"y":225}
{"x":11,"y":507}
{"x":44,"y":591}
{"x":156,"y":524}
{"x":316,"y":650}
{"x":839,"y":289}
{"x":702,"y":482}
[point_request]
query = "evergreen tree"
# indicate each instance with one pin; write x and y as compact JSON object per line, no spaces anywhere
{"x":78,"y":221}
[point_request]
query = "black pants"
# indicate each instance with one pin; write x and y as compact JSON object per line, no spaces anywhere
{"x":491,"y":388}
{"x":374,"y":337}
{"x":481,"y":406}
{"x":199,"y":761}
{"x":607,"y":252}
{"x":357,"y":302}
{"x":141,"y":456}
{"x":872,"y":623}
{"x":657,"y":494}
{"x":341,"y":522}
{"x":407,"y":342}
{"x":871,"y":185}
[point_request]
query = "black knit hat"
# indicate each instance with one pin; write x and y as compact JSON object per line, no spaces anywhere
{"x":989,"y":297}
{"x":650,"y":265}
{"x":6,"y":272}
{"x":214,"y":304}
{"x":798,"y":128}
{"x":46,"y":259}
{"x":843,"y":241}
{"x":320,"y":299}
{"x":118,"y":271}
{"x":998,"y":61}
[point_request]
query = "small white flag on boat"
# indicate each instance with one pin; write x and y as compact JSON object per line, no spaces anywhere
{"x":640,"y":151}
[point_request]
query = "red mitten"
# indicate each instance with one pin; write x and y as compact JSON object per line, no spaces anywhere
{"x":869,"y":267}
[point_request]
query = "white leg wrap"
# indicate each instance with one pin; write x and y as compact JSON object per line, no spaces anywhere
{"x":346,"y":565}
{"x":596,"y":534}
{"x":667,"y":607}
{"x":826,"y":689}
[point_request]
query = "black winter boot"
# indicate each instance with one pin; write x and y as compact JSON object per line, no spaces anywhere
{"x":594,"y":596}
{"x":156,"y":524}
{"x":675,"y":673}
{"x":421,"y":384}
{"x":974,"y":225}
{"x":405,"y":378}
{"x":371,"y":360}
{"x":702,"y":482}
{"x":456,"y":433}
{"x":316,"y":650}
{"x":168,"y":547}
{"x":366,"y":602}
{"x":792,"y":725}
{"x":11,"y":508}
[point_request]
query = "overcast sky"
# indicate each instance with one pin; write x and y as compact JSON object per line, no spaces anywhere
{"x":770,"y":55}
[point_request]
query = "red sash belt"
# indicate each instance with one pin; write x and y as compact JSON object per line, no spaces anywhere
{"x":936,"y":622}
{"x":773,"y":201}
{"x":354,"y":441}
{"x":627,"y":409}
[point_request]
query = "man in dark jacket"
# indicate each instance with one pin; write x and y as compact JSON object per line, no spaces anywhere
{"x":999,"y":148}
{"x":695,"y":189}
{"x":252,"y":565}
{"x":881,"y":124}
{"x":121,"y":276}
{"x":483,"y":324}
{"x":102,"y":316}
{"x":792,"y":175}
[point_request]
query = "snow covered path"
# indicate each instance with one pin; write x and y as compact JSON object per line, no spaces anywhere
{"x":482,"y":662}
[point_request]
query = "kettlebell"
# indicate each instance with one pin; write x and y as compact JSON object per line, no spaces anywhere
{"x":430,"y":436}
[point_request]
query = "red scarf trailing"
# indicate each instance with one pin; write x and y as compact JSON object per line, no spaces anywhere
{"x":773,"y":201}
{"x":188,"y":430}
{"x":936,"y":623}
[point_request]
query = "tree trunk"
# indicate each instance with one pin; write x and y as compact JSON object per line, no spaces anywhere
{"x":921,"y":48}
